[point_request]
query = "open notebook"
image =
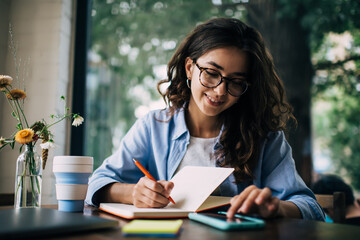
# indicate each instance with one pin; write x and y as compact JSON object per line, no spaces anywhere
{"x":191,"y":193}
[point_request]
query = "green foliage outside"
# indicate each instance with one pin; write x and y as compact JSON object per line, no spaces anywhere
{"x":338,"y":130}
{"x":337,"y":125}
{"x":336,"y":86}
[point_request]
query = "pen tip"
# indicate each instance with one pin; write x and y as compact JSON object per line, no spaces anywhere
{"x":134,"y":160}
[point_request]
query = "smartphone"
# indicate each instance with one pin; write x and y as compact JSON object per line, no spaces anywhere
{"x":220,"y":221}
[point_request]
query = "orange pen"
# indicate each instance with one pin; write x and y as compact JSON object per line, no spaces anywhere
{"x":144,"y":171}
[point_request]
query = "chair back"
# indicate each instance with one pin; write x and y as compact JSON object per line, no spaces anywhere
{"x":336,"y":202}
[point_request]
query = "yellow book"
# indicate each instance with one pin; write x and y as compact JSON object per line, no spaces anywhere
{"x":152,"y":228}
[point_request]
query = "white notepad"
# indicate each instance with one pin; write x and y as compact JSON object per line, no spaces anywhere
{"x":191,"y":193}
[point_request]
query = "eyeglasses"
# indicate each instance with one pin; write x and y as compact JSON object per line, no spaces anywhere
{"x":211,"y":78}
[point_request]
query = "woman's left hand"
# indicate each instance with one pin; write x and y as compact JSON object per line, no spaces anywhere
{"x":255,"y":200}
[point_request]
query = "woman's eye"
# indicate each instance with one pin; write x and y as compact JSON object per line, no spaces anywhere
{"x":237,"y":81}
{"x":212,"y":73}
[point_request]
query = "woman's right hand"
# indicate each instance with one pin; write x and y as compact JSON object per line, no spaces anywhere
{"x":149,"y":194}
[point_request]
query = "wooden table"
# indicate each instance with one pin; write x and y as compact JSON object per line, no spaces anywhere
{"x":282,"y":228}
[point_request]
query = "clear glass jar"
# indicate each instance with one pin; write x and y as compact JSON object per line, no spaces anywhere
{"x":28,"y":178}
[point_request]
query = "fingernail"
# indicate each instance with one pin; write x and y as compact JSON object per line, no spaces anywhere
{"x":243,"y":209}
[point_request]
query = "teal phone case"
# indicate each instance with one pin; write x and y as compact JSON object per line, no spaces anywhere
{"x":212,"y":221}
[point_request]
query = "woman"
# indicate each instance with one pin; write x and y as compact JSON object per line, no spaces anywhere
{"x":226,"y":108}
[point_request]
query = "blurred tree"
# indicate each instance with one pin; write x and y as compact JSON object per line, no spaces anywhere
{"x":133,"y":39}
{"x":337,"y":91}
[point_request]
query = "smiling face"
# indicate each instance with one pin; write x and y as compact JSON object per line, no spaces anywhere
{"x":230,"y":62}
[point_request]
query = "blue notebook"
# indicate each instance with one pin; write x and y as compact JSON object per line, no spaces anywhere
{"x":25,"y":223}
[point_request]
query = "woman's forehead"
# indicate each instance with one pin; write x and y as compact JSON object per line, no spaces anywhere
{"x":228,"y":59}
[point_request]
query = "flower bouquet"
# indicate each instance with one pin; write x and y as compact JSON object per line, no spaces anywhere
{"x":29,"y":164}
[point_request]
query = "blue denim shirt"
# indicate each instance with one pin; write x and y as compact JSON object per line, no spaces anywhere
{"x":160,"y":145}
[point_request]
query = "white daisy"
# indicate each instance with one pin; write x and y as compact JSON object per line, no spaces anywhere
{"x":78,"y":120}
{"x":47,"y":145}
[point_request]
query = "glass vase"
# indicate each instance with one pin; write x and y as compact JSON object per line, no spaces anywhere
{"x":28,"y":178}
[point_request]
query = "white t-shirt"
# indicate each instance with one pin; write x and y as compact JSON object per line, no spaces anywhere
{"x":200,"y":152}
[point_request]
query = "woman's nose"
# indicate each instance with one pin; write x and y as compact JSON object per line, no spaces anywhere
{"x":221,"y":88}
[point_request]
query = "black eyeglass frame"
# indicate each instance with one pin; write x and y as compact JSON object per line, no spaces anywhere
{"x":222,"y":78}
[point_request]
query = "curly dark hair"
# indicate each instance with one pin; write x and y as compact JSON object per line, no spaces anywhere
{"x":263,"y":108}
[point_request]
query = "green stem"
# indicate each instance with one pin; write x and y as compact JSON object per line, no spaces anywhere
{"x":23,"y":180}
{"x":66,"y":116}
{"x":22,"y":112}
{"x":16,"y":112}
{"x":18,"y":117}
{"x":20,"y":182}
{"x":33,"y":174}
{"x":31,"y":169}
{"x":45,"y":128}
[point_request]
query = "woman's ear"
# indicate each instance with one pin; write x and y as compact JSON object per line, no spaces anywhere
{"x":188,"y":67}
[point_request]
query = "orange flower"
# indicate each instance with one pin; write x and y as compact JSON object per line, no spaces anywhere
{"x":16,"y":94}
{"x":24,"y":136}
{"x":5,"y":81}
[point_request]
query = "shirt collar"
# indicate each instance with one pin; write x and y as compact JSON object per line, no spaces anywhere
{"x":180,"y":123}
{"x":181,"y":128}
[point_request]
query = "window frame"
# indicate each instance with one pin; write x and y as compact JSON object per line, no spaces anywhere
{"x":81,"y":46}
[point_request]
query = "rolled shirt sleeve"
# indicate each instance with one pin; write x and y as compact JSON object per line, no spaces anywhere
{"x":276,"y":170}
